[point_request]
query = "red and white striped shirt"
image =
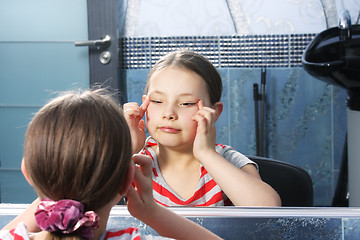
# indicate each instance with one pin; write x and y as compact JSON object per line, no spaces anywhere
{"x":208,"y":193}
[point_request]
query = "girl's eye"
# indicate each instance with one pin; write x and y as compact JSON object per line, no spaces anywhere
{"x":155,"y":101}
{"x":188,"y":103}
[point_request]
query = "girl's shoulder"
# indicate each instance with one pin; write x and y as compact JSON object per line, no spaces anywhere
{"x":223,"y":149}
{"x":150,"y":142}
{"x":20,"y":232}
{"x":150,"y":148}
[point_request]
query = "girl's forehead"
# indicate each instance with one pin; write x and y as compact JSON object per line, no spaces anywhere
{"x":176,"y":81}
{"x":174,"y":76}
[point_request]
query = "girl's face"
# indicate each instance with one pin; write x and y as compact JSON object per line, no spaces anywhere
{"x":174,"y":94}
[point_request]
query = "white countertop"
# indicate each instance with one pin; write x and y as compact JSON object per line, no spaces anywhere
{"x":257,"y":212}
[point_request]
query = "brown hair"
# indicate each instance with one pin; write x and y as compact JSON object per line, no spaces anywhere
{"x":78,"y":147}
{"x":196,"y":63}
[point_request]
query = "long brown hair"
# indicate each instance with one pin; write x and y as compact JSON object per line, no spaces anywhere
{"x":78,"y":147}
{"x":196,"y":63}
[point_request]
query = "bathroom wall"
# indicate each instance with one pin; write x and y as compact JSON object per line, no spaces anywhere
{"x":305,"y":118}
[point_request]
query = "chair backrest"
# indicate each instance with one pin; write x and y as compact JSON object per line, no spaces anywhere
{"x":293,"y":184}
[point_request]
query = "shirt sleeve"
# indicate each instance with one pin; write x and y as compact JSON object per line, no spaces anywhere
{"x":19,"y":233}
{"x":233,"y":156}
{"x":131,"y":233}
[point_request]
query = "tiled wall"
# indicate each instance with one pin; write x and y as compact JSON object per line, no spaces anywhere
{"x":245,"y":51}
{"x":305,"y":118}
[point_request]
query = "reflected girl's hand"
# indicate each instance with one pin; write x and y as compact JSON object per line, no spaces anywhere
{"x":133,"y":114}
{"x":205,"y":138}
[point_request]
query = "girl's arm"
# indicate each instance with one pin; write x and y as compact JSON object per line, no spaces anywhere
{"x":244,"y":186}
{"x":141,"y":205}
{"x":27,"y":217}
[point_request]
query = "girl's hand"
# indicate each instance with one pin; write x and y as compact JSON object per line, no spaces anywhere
{"x":205,"y":138}
{"x":140,"y":201}
{"x":133,"y":115}
{"x":141,"y":205}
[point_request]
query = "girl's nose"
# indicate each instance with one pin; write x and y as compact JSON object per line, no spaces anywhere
{"x":169,"y":116}
{"x":169,"y":113}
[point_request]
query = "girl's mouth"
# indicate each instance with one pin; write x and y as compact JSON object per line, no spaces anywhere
{"x":169,"y":130}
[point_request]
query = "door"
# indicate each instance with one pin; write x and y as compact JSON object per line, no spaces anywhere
{"x":38,"y":59}
{"x":103,"y":45}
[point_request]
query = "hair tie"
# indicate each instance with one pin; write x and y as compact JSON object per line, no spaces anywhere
{"x":66,"y":216}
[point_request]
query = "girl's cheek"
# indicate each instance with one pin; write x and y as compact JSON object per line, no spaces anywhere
{"x":190,"y":113}
{"x":151,"y":111}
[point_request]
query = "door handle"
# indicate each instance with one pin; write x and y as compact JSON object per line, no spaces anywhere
{"x":100,"y":43}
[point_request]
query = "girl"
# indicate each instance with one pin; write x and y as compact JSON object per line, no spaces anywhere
{"x":182,"y":104}
{"x":77,"y":159}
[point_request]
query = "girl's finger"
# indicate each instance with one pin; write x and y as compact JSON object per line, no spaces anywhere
{"x":130,"y":105}
{"x":200,"y":104}
{"x":132,"y":193}
{"x":143,"y":172}
{"x":144,"y":163}
{"x":201,"y":123}
{"x":131,"y":109}
{"x":132,"y":113}
{"x":144,"y":105}
{"x":207,"y":113}
{"x":141,"y":125}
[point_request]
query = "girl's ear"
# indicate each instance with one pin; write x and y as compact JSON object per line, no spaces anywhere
{"x":25,"y":172}
{"x":218,"y":109}
{"x":128,"y":179}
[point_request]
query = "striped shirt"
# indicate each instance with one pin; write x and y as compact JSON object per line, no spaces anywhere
{"x":21,"y":233}
{"x":208,"y":193}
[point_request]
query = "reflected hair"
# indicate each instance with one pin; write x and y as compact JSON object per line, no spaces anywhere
{"x":196,"y":63}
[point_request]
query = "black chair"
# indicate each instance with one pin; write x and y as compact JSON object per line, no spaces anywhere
{"x":293,"y":184}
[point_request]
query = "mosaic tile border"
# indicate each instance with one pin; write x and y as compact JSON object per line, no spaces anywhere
{"x":247,"y":51}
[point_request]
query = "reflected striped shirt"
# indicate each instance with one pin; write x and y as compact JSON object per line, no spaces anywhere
{"x":208,"y":192}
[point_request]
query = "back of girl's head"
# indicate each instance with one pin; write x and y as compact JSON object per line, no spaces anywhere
{"x":196,"y":63}
{"x":78,"y":147}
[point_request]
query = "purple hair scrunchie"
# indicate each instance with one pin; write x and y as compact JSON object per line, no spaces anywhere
{"x":66,"y":216}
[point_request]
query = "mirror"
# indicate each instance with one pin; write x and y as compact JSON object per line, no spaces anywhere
{"x":304,"y":120}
